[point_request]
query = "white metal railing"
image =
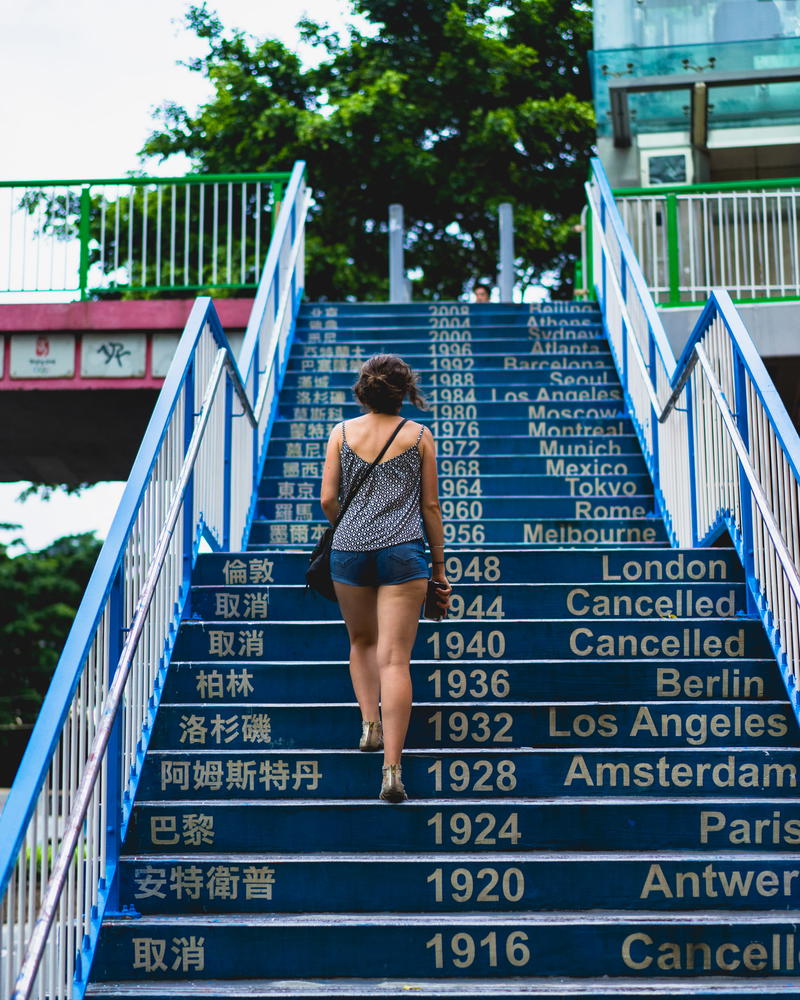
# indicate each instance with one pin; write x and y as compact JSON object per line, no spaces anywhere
{"x":194,"y":477}
{"x":744,"y":238}
{"x":137,"y":233}
{"x":720,"y":447}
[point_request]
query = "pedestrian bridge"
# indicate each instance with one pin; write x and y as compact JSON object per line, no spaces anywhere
{"x":78,"y":382}
{"x":604,"y":752}
{"x":132,"y":251}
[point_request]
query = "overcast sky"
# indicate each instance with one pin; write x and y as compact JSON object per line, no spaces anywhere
{"x":79,"y":80}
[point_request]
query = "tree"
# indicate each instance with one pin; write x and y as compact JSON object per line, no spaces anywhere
{"x":39,"y":595}
{"x":447,"y":106}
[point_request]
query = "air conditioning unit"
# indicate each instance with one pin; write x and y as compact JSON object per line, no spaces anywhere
{"x":672,"y":165}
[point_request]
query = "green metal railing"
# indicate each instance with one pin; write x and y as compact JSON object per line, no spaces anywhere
{"x":142,"y":235}
{"x":743,"y":236}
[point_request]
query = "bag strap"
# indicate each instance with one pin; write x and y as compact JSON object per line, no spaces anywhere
{"x":360,"y":482}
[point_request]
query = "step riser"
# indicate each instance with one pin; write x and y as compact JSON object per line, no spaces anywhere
{"x":383,"y":310}
{"x":490,"y":774}
{"x":553,"y":445}
{"x":482,"y":411}
{"x":443,"y":326}
{"x":461,"y":341}
{"x":316,"y":394}
{"x":442,"y":885}
{"x":468,"y":488}
{"x":580,"y":567}
{"x":491,"y":602}
{"x":470,"y":641}
{"x":568,"y":681}
{"x":385,"y":314}
{"x":563,"y":459}
{"x":466,"y":641}
{"x":493,"y":325}
{"x":492,"y":725}
{"x":447,"y":429}
{"x":350,"y":357}
{"x":527,"y":372}
{"x":489,"y":513}
{"x":420,"y":335}
{"x":454,"y":950}
{"x":583,"y":825}
{"x":586,"y":531}
{"x":502,"y":380}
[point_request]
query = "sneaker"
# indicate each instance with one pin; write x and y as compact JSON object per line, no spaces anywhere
{"x":371,"y":737}
{"x":392,"y":789}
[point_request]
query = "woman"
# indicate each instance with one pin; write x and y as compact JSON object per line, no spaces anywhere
{"x":378,"y":560}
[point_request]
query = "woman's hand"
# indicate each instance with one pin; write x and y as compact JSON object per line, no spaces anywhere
{"x":443,"y":590}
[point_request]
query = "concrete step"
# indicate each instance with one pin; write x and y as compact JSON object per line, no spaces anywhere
{"x":445,"y":410}
{"x":568,"y":824}
{"x":468,"y":945}
{"x":576,"y":681}
{"x":559,"y":988}
{"x":615,"y":639}
{"x":220,"y":773}
{"x":575,"y":566}
{"x":492,"y":513}
{"x":489,"y":601}
{"x":511,"y":881}
{"x":236,"y":725}
{"x":556,"y":458}
{"x":490,"y":427}
{"x":455,"y":488}
{"x":569,"y":371}
{"x":403,"y":341}
{"x":616,"y":531}
{"x":584,"y":445}
{"x":457,"y":356}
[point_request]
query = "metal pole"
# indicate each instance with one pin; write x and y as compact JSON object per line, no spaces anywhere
{"x":397,"y":276}
{"x":505,"y":278}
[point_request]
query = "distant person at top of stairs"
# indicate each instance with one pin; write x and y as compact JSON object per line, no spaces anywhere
{"x":483,"y":291}
{"x":378,"y":559}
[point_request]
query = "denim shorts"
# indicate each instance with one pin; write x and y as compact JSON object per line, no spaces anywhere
{"x":394,"y":564}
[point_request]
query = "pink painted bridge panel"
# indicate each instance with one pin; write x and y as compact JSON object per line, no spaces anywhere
{"x":50,"y":337}
{"x":137,"y":314}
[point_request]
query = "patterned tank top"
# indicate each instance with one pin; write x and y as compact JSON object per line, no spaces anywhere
{"x":386,"y":510}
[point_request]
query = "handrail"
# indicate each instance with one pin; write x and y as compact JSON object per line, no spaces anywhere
{"x":286,"y":303}
{"x":759,"y":496}
{"x":110,"y":707}
{"x":66,"y":814}
{"x":728,"y":457}
{"x":692,"y":355}
{"x":709,"y":187}
{"x":137,"y":180}
{"x":142,"y":233}
{"x":742,"y":235}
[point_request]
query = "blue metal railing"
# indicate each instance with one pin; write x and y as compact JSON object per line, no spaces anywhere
{"x":194,"y":478}
{"x":720,"y":447}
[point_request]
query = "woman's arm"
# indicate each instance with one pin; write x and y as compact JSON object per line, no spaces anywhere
{"x":331,"y":475}
{"x":431,"y":510}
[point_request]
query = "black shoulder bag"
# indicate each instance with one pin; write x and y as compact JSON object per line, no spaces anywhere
{"x":318,"y":574}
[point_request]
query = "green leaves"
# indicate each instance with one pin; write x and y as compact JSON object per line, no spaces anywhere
{"x":39,"y":594}
{"x":447,"y":106}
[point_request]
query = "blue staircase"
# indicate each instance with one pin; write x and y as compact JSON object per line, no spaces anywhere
{"x":602,"y":761}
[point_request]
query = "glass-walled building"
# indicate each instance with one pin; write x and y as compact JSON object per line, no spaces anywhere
{"x":687,"y":92}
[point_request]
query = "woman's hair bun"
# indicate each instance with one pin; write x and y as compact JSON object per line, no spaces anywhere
{"x":383,"y":383}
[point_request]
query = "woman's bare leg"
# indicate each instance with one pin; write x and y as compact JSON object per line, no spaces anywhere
{"x":359,"y":610}
{"x":398,"y":608}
